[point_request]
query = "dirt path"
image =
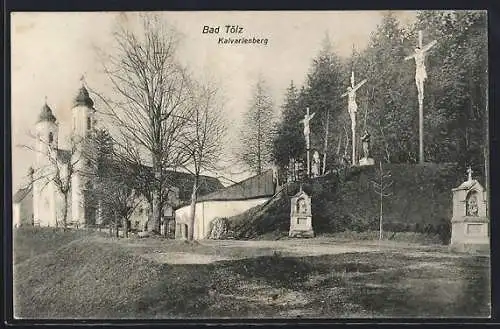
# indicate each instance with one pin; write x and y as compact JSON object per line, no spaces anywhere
{"x":209,"y":251}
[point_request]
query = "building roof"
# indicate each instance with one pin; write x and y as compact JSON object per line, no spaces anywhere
{"x":46,"y":114}
{"x":21,"y":194}
{"x":468,"y":184}
{"x":258,"y":186}
{"x":184,"y":182}
{"x":83,"y":98}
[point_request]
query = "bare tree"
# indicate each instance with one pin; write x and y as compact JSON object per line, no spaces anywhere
{"x":57,"y":168}
{"x":258,"y":130}
{"x":113,"y":180}
{"x":148,"y":102}
{"x":382,"y":183}
{"x":203,"y":140}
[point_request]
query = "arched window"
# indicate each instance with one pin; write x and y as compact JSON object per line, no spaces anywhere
{"x":51,"y":137}
{"x":89,"y":123}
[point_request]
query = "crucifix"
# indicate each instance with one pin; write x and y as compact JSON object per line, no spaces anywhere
{"x":352,"y":107}
{"x":307,"y":131}
{"x":420,"y":77}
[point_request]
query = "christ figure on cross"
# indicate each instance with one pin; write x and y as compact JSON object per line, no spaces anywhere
{"x":420,"y":72}
{"x":307,"y":129}
{"x":352,"y":107}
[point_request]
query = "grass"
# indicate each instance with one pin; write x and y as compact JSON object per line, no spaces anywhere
{"x":408,"y":237}
{"x":29,"y":242}
{"x":94,"y":277}
{"x":421,"y":203}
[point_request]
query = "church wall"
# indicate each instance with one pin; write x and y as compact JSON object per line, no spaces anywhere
{"x":207,"y":211}
{"x":22,"y":212}
{"x":77,"y":205}
{"x":81,"y":114}
{"x":44,"y":204}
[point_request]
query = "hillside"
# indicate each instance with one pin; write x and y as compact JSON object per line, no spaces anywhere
{"x":82,"y":279}
{"x":32,"y":241}
{"x":421,"y":202}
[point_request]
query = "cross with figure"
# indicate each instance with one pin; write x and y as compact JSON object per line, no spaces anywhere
{"x":420,"y":72}
{"x":307,"y":130}
{"x":420,"y":77}
{"x":352,"y":108}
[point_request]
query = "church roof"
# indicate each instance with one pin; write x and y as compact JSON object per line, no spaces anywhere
{"x":46,"y":114}
{"x":183,"y":181}
{"x":83,"y":98}
{"x":21,"y":194}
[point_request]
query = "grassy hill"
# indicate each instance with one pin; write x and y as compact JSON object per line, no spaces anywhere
{"x":32,"y":241}
{"x":346,"y":201}
{"x":81,"y":278}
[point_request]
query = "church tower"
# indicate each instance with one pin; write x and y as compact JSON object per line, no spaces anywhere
{"x":83,"y":113}
{"x":46,"y":133}
{"x":83,"y":122}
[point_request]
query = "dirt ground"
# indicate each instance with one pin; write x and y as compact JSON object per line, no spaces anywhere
{"x":209,"y":251}
{"x":323,"y":277}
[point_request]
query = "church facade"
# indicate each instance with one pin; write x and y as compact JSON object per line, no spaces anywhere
{"x":42,"y":202}
{"x":54,"y":188}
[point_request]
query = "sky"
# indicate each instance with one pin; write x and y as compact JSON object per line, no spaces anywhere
{"x":51,"y":51}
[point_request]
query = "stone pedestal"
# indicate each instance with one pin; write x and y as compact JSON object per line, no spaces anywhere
{"x":470,"y":230}
{"x":366,"y":162}
{"x":301,"y":216}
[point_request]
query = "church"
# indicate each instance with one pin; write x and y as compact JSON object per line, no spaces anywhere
{"x":41,"y":202}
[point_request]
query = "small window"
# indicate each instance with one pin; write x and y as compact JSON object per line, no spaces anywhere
{"x":51,"y":137}
{"x":89,"y":123}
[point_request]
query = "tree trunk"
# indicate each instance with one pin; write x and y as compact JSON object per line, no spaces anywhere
{"x":154,"y":223}
{"x":486,"y":153}
{"x":381,"y":216}
{"x":326,"y":141}
{"x":65,"y":211}
{"x":125,"y":227}
{"x":192,"y":213}
{"x":381,"y":201}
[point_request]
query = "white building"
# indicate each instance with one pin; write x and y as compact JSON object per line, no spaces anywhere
{"x":41,"y":203}
{"x":224,"y":203}
{"x":52,"y":163}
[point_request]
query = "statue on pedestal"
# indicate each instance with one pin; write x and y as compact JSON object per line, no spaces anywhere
{"x":366,"y":160}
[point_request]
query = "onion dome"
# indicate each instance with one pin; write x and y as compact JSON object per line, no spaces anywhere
{"x":46,"y":114}
{"x":83,"y":98}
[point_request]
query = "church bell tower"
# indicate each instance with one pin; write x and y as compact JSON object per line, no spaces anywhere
{"x":46,"y":134}
{"x":83,"y":124}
